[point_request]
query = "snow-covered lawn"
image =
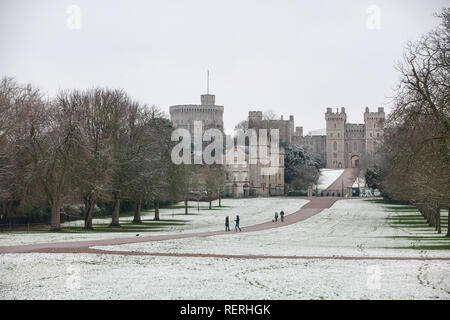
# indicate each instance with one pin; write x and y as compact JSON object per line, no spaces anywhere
{"x":84,"y":276}
{"x":349,"y":228}
{"x":251,"y":211}
{"x":327,"y":177}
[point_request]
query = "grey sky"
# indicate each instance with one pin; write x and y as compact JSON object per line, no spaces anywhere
{"x":295,"y":57}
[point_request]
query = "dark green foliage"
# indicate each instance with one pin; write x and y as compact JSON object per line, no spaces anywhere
{"x":301,"y":168}
{"x":372,"y":178}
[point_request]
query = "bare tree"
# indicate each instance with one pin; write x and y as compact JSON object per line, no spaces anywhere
{"x":50,"y":145}
{"x":417,"y":140}
{"x":270,"y":114}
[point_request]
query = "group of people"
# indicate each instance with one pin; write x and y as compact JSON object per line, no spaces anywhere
{"x":237,"y":227}
{"x":281,"y":216}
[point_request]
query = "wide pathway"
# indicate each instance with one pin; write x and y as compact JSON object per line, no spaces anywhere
{"x":314,"y":206}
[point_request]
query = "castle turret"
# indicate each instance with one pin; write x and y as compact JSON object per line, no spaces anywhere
{"x":208,"y":99}
{"x":291,"y":126}
{"x":254,"y":117}
{"x":373,"y":127}
{"x":298,"y":132}
{"x":335,"y":137}
{"x":210,"y":114}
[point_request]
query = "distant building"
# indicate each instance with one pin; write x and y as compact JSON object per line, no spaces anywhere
{"x":340,"y":145}
{"x":237,"y":172}
{"x":262,"y":184}
{"x":344,"y":145}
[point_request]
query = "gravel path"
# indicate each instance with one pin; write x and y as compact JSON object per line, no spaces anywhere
{"x":313,"y":207}
{"x":308,"y":210}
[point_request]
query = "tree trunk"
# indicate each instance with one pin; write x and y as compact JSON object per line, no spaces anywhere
{"x":55,"y":224}
{"x":220,"y":200}
{"x":210,"y":207}
{"x":431,"y":217}
{"x":89,"y":214}
{"x":137,"y":212}
{"x":427,"y":215}
{"x":448,"y":224}
{"x":185,"y":206}
{"x":157,"y":209}
{"x":115,"y":213}
{"x":438,"y":219}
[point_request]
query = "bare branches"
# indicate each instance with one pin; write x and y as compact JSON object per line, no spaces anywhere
{"x":416,"y":150}
{"x":86,"y":147}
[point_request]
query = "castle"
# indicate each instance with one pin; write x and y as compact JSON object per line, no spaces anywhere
{"x":344,"y":145}
{"x":243,"y":178}
{"x":341,"y":145}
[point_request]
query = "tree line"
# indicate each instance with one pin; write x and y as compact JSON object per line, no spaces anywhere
{"x":413,"y":164}
{"x":82,"y":147}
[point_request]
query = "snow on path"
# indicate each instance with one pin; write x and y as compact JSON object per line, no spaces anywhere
{"x":89,"y":276}
{"x":327,"y":177}
{"x":251,"y":211}
{"x":349,"y":228}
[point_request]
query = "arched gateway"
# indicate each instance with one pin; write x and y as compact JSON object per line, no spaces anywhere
{"x":355,"y":161}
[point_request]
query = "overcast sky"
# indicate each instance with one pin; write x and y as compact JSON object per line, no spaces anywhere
{"x":295,"y":57}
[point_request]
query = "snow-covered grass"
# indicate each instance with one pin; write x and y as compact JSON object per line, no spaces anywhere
{"x":84,"y":276}
{"x":251,"y":211}
{"x":327,"y":177}
{"x":349,"y":228}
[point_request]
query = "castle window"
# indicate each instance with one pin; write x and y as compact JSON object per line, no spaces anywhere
{"x":331,"y":135}
{"x":335,"y":125}
{"x":335,"y":146}
{"x":355,"y":147}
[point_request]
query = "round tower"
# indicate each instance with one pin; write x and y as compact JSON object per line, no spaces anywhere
{"x":210,"y":114}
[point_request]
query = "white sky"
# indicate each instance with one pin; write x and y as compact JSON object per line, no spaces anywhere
{"x":295,"y":57}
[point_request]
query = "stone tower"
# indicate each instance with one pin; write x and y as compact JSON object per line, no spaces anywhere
{"x":374,"y":125}
{"x":210,"y":114}
{"x":335,"y":143}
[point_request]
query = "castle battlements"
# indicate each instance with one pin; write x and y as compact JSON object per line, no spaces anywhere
{"x":374,"y":115}
{"x":211,"y":115}
{"x":338,"y":115}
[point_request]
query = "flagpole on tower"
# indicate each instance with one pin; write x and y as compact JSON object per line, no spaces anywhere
{"x":207,"y":83}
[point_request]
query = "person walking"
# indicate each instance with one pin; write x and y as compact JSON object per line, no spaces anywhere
{"x":276,"y":216}
{"x":237,"y":224}
{"x":227,"y":223}
{"x":282,"y":215}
